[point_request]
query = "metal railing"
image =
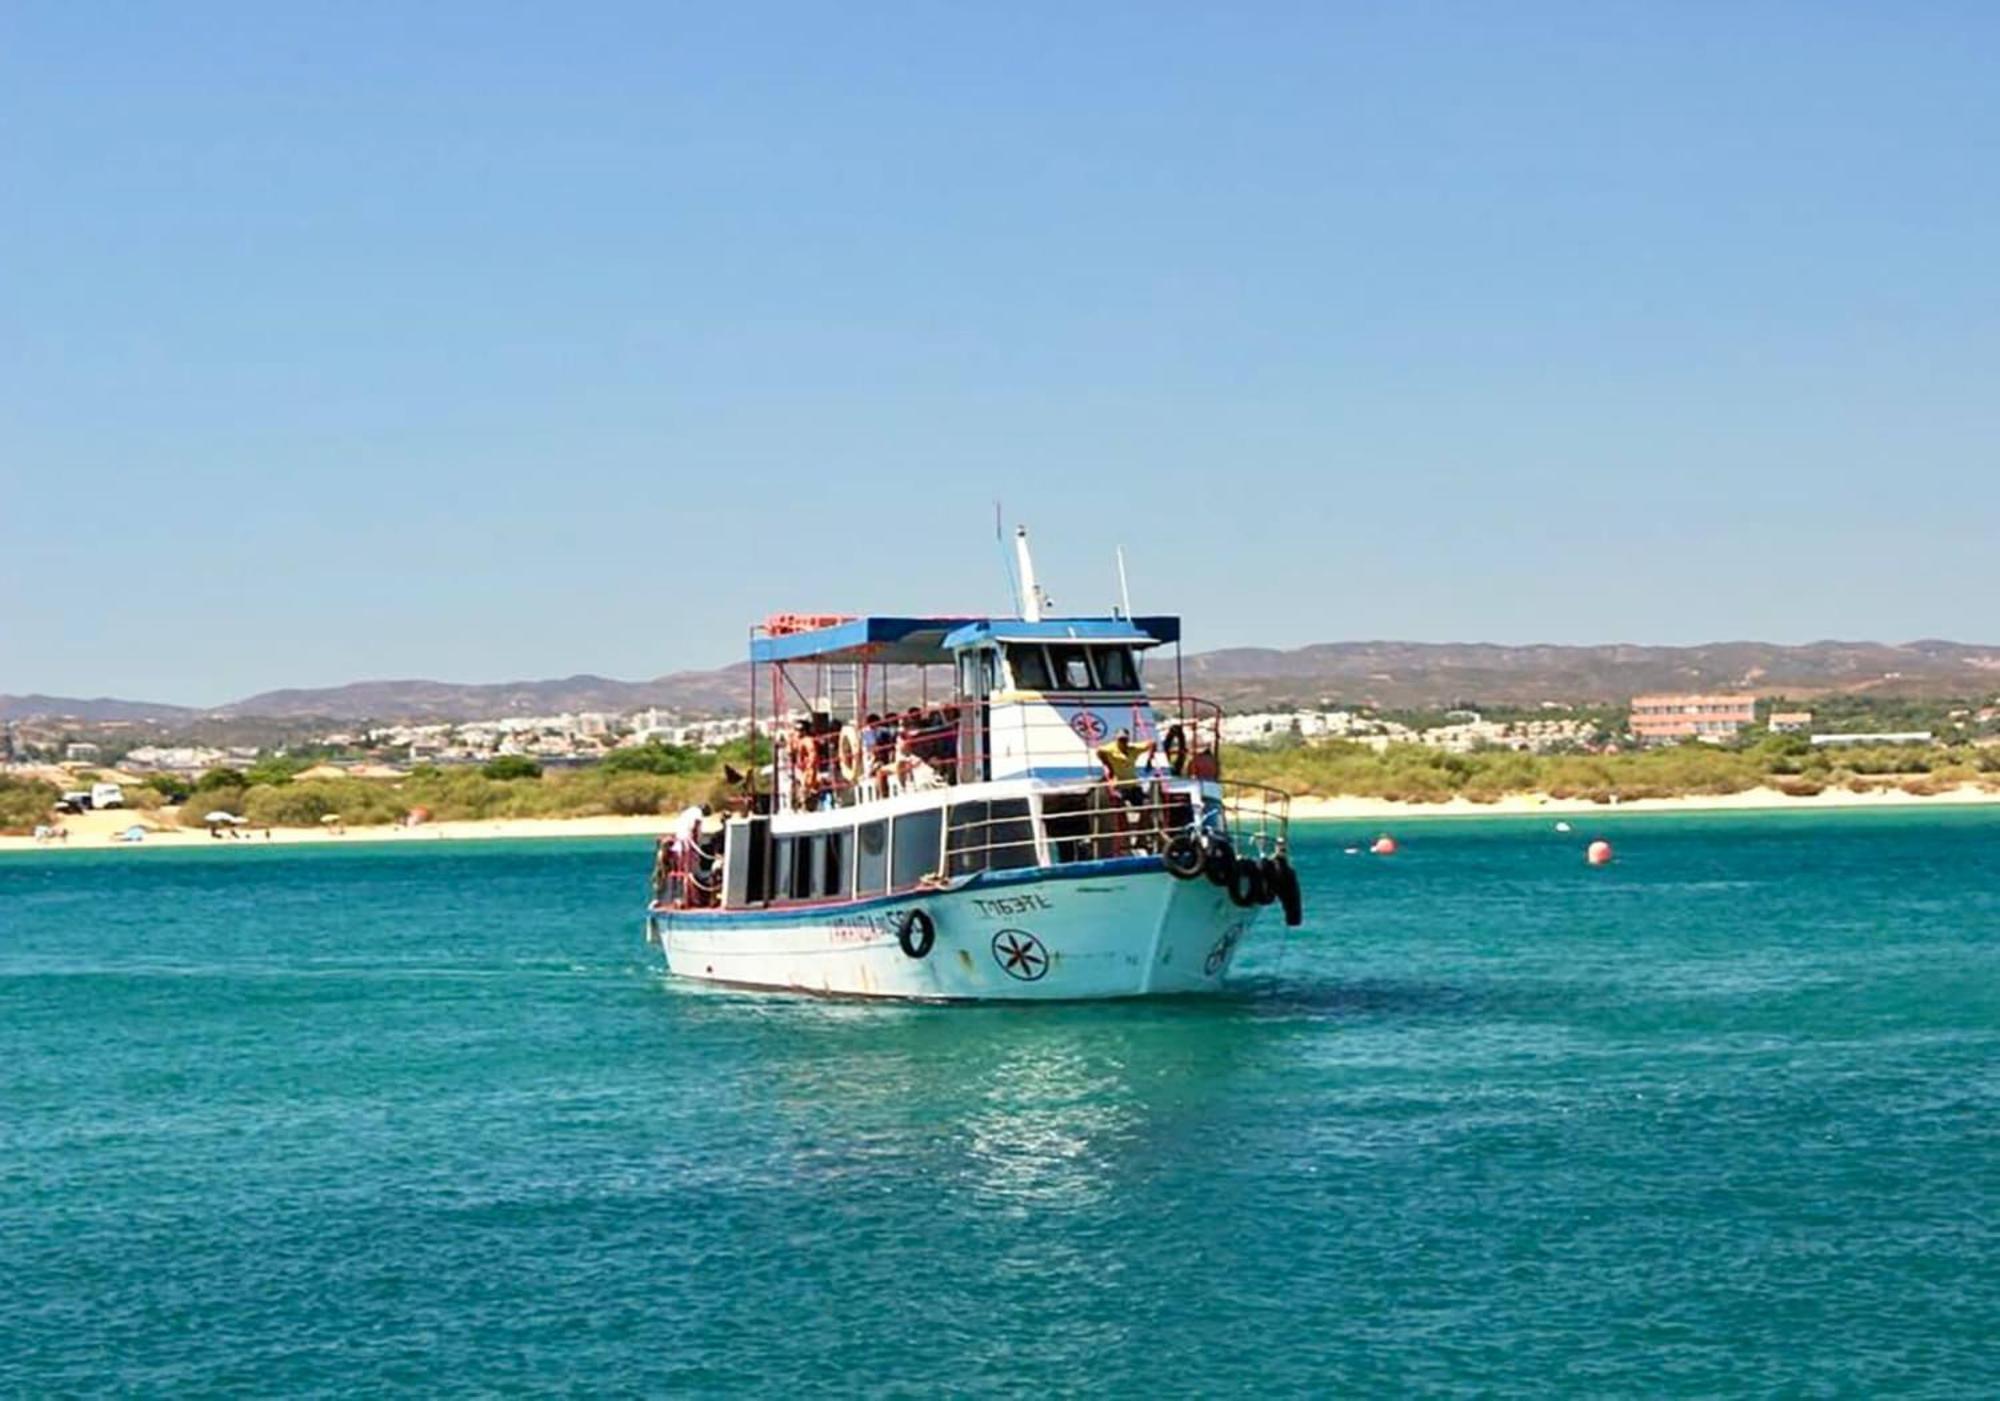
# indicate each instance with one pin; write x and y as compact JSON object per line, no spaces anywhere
{"x":1063,"y":825}
{"x":833,"y":765}
{"x":1105,"y":819}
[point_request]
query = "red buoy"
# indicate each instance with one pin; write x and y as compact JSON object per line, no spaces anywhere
{"x":1385,"y":845}
{"x":1598,"y":853}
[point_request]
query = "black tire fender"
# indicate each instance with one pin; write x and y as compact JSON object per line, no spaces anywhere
{"x":1218,"y":859}
{"x":1267,"y":873}
{"x":1246,"y":884}
{"x":916,"y":932}
{"x":1183,"y":856}
{"x":1286,"y":886}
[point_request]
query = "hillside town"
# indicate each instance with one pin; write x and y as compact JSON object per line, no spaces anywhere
{"x":577,"y":739}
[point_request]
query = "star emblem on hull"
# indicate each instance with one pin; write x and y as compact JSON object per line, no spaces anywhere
{"x":1225,"y":946}
{"x":1020,"y":954}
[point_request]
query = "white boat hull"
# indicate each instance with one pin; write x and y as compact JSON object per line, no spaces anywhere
{"x":1115,"y":929}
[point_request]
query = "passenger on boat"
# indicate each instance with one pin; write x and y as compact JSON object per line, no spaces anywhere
{"x":805,"y":765}
{"x":1202,"y":763}
{"x":826,"y":760}
{"x":948,"y":745}
{"x":1121,"y":759}
{"x":1174,"y":748}
{"x":880,"y":737}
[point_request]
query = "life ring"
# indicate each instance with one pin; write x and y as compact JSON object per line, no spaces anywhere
{"x":850,"y":754}
{"x":1246,"y":884}
{"x":916,"y":932}
{"x":1286,"y":885}
{"x":1183,"y":856}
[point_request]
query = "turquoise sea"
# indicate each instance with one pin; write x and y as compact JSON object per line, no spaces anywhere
{"x":1722,"y":1118}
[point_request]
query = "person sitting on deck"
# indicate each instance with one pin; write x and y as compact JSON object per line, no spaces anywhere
{"x":907,"y":741}
{"x":880,"y":739}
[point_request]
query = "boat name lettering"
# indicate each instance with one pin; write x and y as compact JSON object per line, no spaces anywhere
{"x":1010,"y":905}
{"x":850,"y":927}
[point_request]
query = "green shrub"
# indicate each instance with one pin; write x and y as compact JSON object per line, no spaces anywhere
{"x":274,"y":771}
{"x":220,"y":778}
{"x":201,"y":803}
{"x":25,"y":802}
{"x":170,"y":786}
{"x":505,"y":768}
{"x":634,"y":795}
{"x":655,"y":757}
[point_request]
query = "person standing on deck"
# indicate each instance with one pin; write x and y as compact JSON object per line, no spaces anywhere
{"x":1121,"y":759}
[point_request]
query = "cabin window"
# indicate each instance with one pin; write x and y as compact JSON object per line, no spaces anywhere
{"x":832,"y":880}
{"x":743,"y":866}
{"x":1010,"y":835}
{"x":1030,"y":666}
{"x":1072,"y":668}
{"x":871,"y":858}
{"x":801,"y":887}
{"x":914,"y":852}
{"x":995,"y":836}
{"x":968,"y":838}
{"x":781,"y":868}
{"x":1115,"y":671}
{"x":1072,"y":827}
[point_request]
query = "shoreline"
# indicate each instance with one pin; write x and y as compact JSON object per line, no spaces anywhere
{"x":96,"y":831}
{"x":1318,"y":809}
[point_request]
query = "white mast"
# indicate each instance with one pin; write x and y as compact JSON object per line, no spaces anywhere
{"x":1032,"y":598}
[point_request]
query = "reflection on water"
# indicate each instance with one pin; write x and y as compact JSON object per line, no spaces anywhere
{"x":1047,"y":1127}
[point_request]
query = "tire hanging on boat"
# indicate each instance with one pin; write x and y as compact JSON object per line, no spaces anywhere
{"x":1218,"y":858}
{"x":916,"y":932}
{"x":1286,"y":886}
{"x":1183,"y":856}
{"x":1246,"y":884}
{"x":1267,"y":872}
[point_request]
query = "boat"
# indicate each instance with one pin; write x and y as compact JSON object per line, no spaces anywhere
{"x":975,"y":809}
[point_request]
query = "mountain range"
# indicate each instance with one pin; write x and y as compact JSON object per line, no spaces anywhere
{"x":1393,"y":674}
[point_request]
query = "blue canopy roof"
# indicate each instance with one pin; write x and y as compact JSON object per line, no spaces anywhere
{"x":933,"y":641}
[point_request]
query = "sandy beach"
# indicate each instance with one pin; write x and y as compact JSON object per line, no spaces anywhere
{"x":99,"y":831}
{"x":1538,"y":804}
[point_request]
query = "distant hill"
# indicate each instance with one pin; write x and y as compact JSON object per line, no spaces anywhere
{"x":96,"y":710}
{"x":724,"y":690}
{"x":1397,"y":674}
{"x":1440,"y":673}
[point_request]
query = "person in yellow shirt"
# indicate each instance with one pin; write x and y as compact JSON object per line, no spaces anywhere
{"x":1121,"y":759}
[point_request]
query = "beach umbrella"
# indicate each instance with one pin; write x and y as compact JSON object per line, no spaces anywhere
{"x":133,"y":834}
{"x":220,"y":816}
{"x":331,"y":818}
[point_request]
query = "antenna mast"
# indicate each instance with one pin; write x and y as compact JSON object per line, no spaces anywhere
{"x":1032,"y":597}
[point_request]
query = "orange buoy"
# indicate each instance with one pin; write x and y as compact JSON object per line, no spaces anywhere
{"x":1385,"y":845}
{"x":1598,"y":853}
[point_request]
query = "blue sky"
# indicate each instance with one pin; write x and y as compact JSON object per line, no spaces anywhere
{"x":486,"y":342}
